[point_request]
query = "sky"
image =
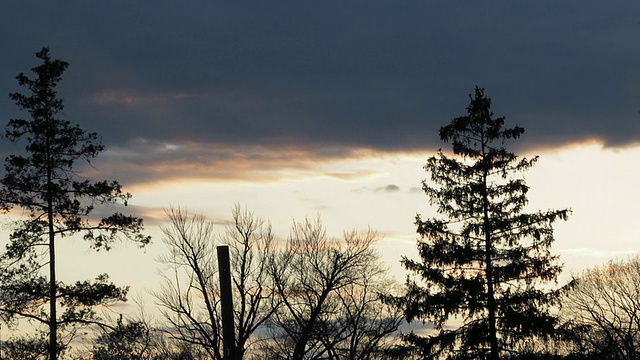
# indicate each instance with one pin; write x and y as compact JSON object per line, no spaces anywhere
{"x":331,"y":108}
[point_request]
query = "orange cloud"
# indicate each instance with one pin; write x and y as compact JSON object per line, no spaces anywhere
{"x":144,"y":162}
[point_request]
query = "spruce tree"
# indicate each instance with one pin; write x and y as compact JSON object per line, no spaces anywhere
{"x":485,"y":263}
{"x":47,"y":184}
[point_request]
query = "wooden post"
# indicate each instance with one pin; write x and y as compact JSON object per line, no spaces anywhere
{"x":226,"y":301}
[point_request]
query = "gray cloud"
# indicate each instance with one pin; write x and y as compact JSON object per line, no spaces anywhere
{"x":389,"y":188}
{"x":322,"y":75}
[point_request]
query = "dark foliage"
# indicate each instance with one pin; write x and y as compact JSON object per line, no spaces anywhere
{"x":46,"y":183}
{"x":126,"y":341}
{"x":484,"y":261}
{"x":34,"y":347}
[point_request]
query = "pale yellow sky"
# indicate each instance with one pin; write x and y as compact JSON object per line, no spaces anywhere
{"x":598,"y":184}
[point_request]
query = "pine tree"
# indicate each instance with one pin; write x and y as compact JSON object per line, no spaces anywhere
{"x":47,"y":184}
{"x":485,"y":262}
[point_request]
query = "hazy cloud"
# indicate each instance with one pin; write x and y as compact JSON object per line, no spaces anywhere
{"x":353,"y":175}
{"x":389,"y":188}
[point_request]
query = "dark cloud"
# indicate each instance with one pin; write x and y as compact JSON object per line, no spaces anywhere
{"x":332,"y":75}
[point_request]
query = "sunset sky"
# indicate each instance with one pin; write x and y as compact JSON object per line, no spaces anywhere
{"x":331,"y":108}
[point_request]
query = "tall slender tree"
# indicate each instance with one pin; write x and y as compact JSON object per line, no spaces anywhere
{"x":483,"y":262}
{"x":46,"y":182}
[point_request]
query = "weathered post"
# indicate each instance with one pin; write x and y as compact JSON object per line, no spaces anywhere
{"x":226,"y":301}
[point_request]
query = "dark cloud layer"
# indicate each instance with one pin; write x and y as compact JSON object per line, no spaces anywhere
{"x":383,"y":75}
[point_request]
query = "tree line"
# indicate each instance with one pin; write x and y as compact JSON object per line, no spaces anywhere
{"x":485,"y":283}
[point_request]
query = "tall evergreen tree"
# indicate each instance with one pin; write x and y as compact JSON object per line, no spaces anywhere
{"x":484,"y":263}
{"x":46,"y":182}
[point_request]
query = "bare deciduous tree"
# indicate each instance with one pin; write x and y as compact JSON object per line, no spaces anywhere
{"x":329,"y":292}
{"x":604,"y":309}
{"x":189,"y":297}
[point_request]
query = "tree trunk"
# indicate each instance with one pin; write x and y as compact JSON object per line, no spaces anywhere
{"x":53,"y":320}
{"x":53,"y":323}
{"x":491,"y":302}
